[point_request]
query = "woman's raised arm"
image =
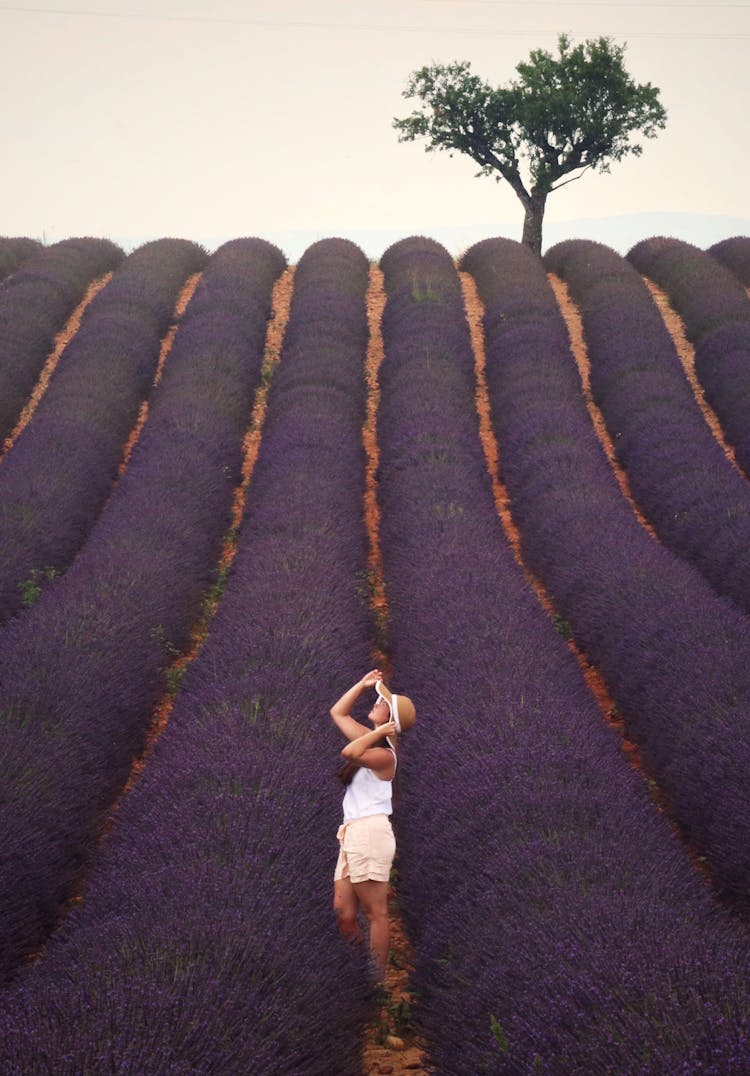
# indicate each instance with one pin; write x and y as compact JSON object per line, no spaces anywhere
{"x":341,"y":710}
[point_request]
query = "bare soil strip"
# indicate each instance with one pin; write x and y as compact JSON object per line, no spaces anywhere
{"x":572,"y":317}
{"x":375,"y":579}
{"x":595,"y":681}
{"x":389,"y":1045}
{"x":281,"y":300}
{"x":166,"y":346}
{"x":686,"y":352}
{"x":63,"y":338}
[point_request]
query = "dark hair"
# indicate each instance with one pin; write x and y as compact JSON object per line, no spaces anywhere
{"x":345,"y":773}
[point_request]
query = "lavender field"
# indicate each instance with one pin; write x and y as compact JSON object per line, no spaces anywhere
{"x":196,"y":519}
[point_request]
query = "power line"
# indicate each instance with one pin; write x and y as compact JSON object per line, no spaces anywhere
{"x":365,"y":27}
{"x":680,"y":4}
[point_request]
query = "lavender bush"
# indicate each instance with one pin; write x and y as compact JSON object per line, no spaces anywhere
{"x":672,"y":652}
{"x":60,"y":471}
{"x":678,"y":473}
{"x":34,"y":304}
{"x":81,"y":672}
{"x":716,"y":311}
{"x":207,"y":924}
{"x":734,"y":253}
{"x":558,"y":924}
{"x":14,"y":251}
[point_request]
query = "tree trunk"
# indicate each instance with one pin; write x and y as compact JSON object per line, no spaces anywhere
{"x":532,"y":222}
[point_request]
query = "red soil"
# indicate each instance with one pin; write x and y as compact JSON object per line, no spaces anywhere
{"x":375,"y":304}
{"x":280,"y":303}
{"x":687,"y":356}
{"x":388,"y":1047}
{"x":62,"y":339}
{"x":384,"y":1051}
{"x":686,"y":353}
{"x":282,"y":297}
{"x":166,"y":346}
{"x":594,"y":679}
{"x":570,"y":313}
{"x":160,"y":717}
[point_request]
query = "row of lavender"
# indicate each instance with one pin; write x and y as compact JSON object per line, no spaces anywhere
{"x":59,"y":473}
{"x":558,"y":924}
{"x":81,"y":671}
{"x":734,"y":253}
{"x":14,"y":251}
{"x":34,"y":303}
{"x":716,"y":310}
{"x":696,"y":500}
{"x":206,"y":942}
{"x":673,"y":653}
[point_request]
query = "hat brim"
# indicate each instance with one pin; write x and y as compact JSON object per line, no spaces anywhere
{"x":392,"y":701}
{"x":387,"y":696}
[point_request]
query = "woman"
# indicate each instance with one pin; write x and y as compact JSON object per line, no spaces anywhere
{"x":367,"y":844}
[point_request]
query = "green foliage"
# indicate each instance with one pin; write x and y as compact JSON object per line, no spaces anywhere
{"x":174,"y":672}
{"x":396,"y":1016}
{"x":402,"y":1016}
{"x":572,"y":111}
{"x":175,"y":676}
{"x":562,"y":115}
{"x":562,"y":626}
{"x":213,"y":595}
{"x":424,"y":290}
{"x":449,"y":510}
{"x":32,"y":587}
{"x":170,"y":649}
{"x":500,"y":1037}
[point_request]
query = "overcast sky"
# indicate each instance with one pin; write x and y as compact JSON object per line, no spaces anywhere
{"x":210,"y":120}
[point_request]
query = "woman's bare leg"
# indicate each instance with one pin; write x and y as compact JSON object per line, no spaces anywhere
{"x":373,"y":896}
{"x":346,"y":906}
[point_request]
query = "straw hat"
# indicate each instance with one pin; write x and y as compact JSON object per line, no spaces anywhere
{"x":401,"y":707}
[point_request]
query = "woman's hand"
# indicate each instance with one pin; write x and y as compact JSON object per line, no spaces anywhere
{"x":342,"y":709}
{"x":357,"y":748}
{"x":370,"y":679}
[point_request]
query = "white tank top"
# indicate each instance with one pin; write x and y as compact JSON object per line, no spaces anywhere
{"x":367,"y":794}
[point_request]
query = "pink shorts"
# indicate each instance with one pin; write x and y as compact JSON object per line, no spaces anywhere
{"x":366,"y":849}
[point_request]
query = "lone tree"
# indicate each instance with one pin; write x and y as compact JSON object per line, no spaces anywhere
{"x":563,"y":115}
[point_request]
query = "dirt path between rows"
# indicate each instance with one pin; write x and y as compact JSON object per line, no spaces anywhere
{"x":281,"y":301}
{"x":390,"y":1045}
{"x":573,"y":320}
{"x":474,"y":314}
{"x":62,"y":339}
{"x":160,"y":717}
{"x":594,"y":679}
{"x":687,"y":356}
{"x":186,"y":294}
{"x":375,"y":576}
{"x":686,"y":353}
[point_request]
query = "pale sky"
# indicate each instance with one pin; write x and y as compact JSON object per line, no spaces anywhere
{"x":211,"y":120}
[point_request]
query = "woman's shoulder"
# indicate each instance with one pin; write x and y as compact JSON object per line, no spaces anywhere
{"x":380,"y":761}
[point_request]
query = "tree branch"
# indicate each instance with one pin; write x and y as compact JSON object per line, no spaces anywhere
{"x":572,"y":179}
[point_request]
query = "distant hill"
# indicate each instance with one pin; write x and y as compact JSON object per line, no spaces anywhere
{"x":620,"y":232}
{"x":623,"y":232}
